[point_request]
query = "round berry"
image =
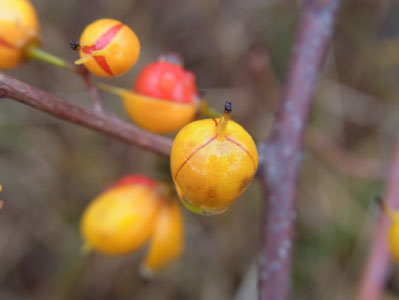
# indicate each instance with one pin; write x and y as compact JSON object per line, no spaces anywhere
{"x":212,"y":163}
{"x":165,"y":97}
{"x":121,"y":219}
{"x":167,"y":81}
{"x":108,"y":48}
{"x":19,"y":28}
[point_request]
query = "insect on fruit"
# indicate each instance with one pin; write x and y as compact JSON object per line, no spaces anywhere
{"x":212,"y":163}
{"x":121,"y":219}
{"x":19,"y":28}
{"x":108,"y":48}
{"x":75,"y":45}
{"x":165,"y":96}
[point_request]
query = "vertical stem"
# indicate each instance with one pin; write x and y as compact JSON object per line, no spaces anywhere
{"x":377,"y":267}
{"x":223,"y":122}
{"x":97,"y":102}
{"x":282,"y":152}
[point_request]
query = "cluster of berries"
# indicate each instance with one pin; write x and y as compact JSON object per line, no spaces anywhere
{"x":212,"y":160}
{"x":130,"y":212}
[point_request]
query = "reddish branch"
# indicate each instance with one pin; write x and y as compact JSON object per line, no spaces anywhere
{"x":98,"y":104}
{"x":94,"y":119}
{"x":282,"y":151}
{"x":377,"y":267}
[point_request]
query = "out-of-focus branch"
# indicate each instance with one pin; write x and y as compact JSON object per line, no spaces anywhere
{"x":282,"y":152}
{"x":342,"y":160}
{"x":97,"y":102}
{"x":377,"y":267}
{"x":315,"y":140}
{"x":93,"y":119}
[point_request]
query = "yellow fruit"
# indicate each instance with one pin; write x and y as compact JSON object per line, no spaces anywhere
{"x":212,"y":163}
{"x":19,"y":28}
{"x":158,"y":115}
{"x":167,"y":238}
{"x":121,"y":219}
{"x":108,"y":48}
{"x":393,"y":236}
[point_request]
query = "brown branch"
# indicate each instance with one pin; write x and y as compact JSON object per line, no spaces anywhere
{"x":377,"y":267}
{"x":99,"y":121}
{"x":98,"y":104}
{"x":315,"y":140}
{"x":282,"y":152}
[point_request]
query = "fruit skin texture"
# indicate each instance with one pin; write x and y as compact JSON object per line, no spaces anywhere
{"x":167,"y":239}
{"x":167,"y":81}
{"x":111,"y":48}
{"x":19,"y":28}
{"x":393,"y":236}
{"x":157,"y":115}
{"x":121,"y":219}
{"x":210,"y":172}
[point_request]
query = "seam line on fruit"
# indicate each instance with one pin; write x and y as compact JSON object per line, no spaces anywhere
{"x":216,"y":122}
{"x":193,"y":153}
{"x":242,"y":148}
{"x":102,"y":42}
{"x":6,"y":44}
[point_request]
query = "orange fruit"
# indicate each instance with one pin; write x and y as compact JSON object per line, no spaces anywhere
{"x":19,"y":28}
{"x":108,"y":48}
{"x":212,"y":163}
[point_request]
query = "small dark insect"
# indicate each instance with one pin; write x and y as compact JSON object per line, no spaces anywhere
{"x":74,"y":45}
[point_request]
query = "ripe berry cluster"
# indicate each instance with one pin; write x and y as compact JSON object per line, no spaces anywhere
{"x":212,"y":161}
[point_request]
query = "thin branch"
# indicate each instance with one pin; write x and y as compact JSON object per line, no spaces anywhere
{"x":98,"y":103}
{"x":99,"y":121}
{"x":282,"y":152}
{"x":377,"y":267}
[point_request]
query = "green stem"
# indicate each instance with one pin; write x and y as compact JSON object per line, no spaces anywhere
{"x":111,"y":89}
{"x":210,"y":112}
{"x":34,"y":52}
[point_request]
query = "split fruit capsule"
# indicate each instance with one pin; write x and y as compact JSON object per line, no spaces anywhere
{"x":19,"y":28}
{"x":167,"y":238}
{"x":121,"y":219}
{"x":108,"y":48}
{"x":131,"y":212}
{"x":212,"y":163}
{"x":164,"y":98}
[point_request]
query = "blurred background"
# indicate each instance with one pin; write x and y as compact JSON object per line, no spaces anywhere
{"x":239,"y":50}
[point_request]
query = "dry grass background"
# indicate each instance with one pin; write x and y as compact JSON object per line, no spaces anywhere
{"x":239,"y":50}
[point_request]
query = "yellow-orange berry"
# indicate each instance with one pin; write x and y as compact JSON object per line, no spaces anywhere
{"x":212,"y":163}
{"x":108,"y":48}
{"x":121,"y":219}
{"x":393,"y":236}
{"x":167,"y":238}
{"x":157,"y":115}
{"x":164,"y":97}
{"x":19,"y":28}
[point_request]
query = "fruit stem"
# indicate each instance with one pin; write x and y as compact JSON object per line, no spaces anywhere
{"x":225,"y":119}
{"x":35,"y":52}
{"x":111,"y":89}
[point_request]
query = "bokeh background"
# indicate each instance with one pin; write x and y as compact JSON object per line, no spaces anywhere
{"x":239,"y":50}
